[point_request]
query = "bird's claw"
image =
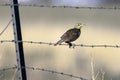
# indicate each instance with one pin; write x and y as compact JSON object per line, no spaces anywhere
{"x":71,"y":45}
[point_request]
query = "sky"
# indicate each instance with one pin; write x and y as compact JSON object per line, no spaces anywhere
{"x":48,"y":24}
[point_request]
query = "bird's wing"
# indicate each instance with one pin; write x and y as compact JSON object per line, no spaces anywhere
{"x":69,"y":34}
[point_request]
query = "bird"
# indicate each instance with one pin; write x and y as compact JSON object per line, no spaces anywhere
{"x":70,"y":35}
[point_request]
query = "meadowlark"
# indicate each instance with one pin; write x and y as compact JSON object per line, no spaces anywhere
{"x":70,"y":35}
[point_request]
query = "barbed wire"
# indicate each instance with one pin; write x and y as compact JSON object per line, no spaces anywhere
{"x":54,"y":6}
{"x":5,"y":27}
{"x":45,"y":70}
{"x":8,"y":68}
{"x":74,"y":45}
{"x":55,"y":72}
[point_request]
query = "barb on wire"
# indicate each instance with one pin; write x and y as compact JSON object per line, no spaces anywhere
{"x":55,"y":72}
{"x":5,"y":27}
{"x":53,"y":6}
{"x":8,"y":68}
{"x":75,"y":45}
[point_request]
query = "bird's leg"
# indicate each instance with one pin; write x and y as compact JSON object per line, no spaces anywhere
{"x":70,"y":44}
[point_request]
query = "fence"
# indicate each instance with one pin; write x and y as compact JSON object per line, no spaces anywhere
{"x":51,"y":43}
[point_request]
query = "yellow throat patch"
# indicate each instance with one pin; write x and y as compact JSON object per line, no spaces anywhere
{"x":79,"y":26}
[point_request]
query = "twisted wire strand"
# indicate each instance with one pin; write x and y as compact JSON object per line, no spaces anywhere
{"x":74,"y":45}
{"x":55,"y":72}
{"x":5,"y":27}
{"x":54,"y":6}
{"x":44,"y":70}
{"x":8,"y":68}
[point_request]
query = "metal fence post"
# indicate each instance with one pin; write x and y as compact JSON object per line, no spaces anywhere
{"x":17,"y":38}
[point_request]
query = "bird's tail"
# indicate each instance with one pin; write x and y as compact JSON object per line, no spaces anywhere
{"x":59,"y":42}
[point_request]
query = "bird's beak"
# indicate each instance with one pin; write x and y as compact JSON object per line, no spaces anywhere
{"x":81,"y":25}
